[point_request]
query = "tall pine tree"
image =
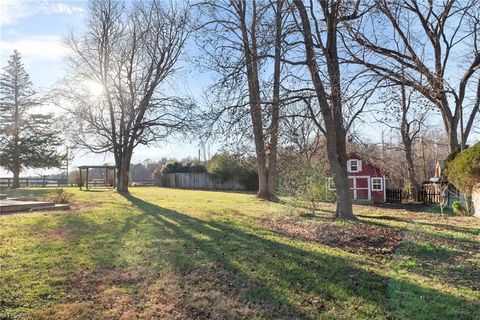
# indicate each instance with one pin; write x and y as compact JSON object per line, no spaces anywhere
{"x":27,"y":138}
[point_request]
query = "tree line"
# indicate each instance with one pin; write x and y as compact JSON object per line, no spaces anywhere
{"x":324,"y":67}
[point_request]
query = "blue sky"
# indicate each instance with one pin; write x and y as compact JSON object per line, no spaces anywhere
{"x":36,"y":29}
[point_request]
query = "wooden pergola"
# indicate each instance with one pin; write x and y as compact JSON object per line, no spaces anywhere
{"x":106,"y":168}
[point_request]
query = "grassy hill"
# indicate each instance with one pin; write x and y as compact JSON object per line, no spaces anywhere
{"x":179,"y":254}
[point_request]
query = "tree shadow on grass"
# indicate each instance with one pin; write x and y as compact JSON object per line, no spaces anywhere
{"x":470,"y":230}
{"x":421,"y":229}
{"x":460,"y":229}
{"x":279,"y":278}
{"x":275,"y":272}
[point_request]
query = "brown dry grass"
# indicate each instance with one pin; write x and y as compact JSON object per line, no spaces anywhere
{"x":64,"y":234}
{"x":126,"y":294}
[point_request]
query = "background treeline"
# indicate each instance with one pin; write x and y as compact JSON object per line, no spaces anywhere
{"x":301,"y":161}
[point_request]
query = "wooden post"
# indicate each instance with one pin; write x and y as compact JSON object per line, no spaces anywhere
{"x":80,"y":178}
{"x":86,"y":179}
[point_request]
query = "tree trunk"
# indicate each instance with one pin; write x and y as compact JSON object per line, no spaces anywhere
{"x":123,"y":173}
{"x":338,"y":164}
{"x":16,"y":179}
{"x":453,"y":143}
{"x":475,"y":111}
{"x":344,"y":199}
{"x":272,"y":150}
{"x":335,"y":133}
{"x":251,"y":61}
{"x":263,"y":191}
{"x":407,"y":143}
{"x":272,"y":171}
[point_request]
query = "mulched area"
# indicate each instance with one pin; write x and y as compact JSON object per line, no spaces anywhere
{"x":360,"y":237}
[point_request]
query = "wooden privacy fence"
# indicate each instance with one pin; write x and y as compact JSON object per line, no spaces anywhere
{"x":35,"y":182}
{"x":428,"y":196}
{"x":198,"y":181}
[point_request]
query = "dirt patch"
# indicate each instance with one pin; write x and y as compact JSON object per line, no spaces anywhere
{"x":357,"y":238}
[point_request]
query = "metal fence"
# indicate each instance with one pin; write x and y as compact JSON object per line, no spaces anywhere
{"x":35,"y":182}
{"x":394,"y":195}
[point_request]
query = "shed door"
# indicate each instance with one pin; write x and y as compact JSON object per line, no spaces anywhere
{"x":360,"y":187}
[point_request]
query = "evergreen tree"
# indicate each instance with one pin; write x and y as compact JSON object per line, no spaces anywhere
{"x":27,"y":138}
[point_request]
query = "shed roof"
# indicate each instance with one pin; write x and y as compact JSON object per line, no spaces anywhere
{"x":354,"y":155}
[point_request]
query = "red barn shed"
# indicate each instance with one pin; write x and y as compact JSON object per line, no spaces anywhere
{"x":366,"y":181}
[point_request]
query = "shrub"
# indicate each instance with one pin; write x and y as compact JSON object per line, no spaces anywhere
{"x":248,"y":175}
{"x":223,"y":165}
{"x":172,"y":167}
{"x":305,"y":185}
{"x":59,"y":196}
{"x":464,"y":170}
{"x":178,"y":167}
{"x":194,"y":167}
{"x":459,"y":208}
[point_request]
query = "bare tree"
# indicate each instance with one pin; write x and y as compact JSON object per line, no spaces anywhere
{"x":320,"y":24}
{"x":417,"y":44}
{"x":407,"y":115}
{"x":236,"y":38}
{"x":300,"y":135}
{"x":127,"y":53}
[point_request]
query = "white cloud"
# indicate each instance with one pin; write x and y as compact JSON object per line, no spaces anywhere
{"x":11,"y":11}
{"x":59,"y":7}
{"x":36,"y":47}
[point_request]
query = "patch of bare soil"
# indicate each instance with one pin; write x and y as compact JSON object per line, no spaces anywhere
{"x":357,"y":238}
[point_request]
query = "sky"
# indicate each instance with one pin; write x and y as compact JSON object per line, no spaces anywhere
{"x":36,"y":29}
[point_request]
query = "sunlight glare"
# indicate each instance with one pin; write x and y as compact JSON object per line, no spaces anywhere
{"x":94,"y":88}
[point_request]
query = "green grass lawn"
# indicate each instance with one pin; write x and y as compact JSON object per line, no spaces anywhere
{"x":178,"y":254}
